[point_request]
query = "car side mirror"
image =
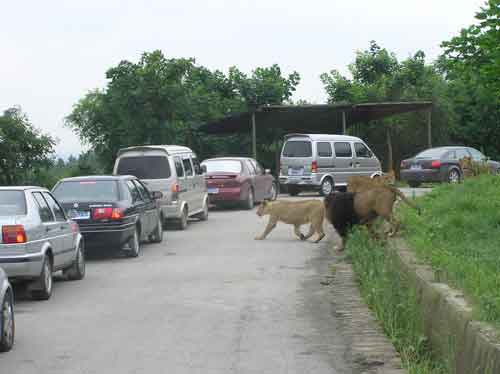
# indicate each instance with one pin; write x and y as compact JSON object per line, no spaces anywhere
{"x":156,"y":195}
{"x":267,"y":171}
{"x":204,"y":169}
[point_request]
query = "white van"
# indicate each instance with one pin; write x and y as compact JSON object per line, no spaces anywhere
{"x":323,"y":162}
{"x":173,"y":170}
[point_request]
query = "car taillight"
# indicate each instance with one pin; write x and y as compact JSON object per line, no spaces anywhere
{"x":107,"y":213}
{"x":13,"y":234}
{"x":436,"y":164}
{"x":175,"y":188}
{"x":314,"y":167}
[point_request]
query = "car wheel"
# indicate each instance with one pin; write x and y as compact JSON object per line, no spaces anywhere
{"x":134,"y":244}
{"x":7,"y":324}
{"x":182,"y":223}
{"x":413,"y":184}
{"x":44,"y":281}
{"x":157,"y":235}
{"x":326,"y":187}
{"x":77,"y":270}
{"x":274,"y":192}
{"x":293,"y":191}
{"x":203,"y":216}
{"x":453,"y":176}
{"x":249,"y":202}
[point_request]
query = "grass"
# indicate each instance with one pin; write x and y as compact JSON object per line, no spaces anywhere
{"x":458,"y":234}
{"x":394,"y":303}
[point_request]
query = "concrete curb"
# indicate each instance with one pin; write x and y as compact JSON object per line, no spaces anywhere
{"x":470,"y":347}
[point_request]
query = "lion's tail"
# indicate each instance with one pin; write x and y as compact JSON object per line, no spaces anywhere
{"x":403,"y":198}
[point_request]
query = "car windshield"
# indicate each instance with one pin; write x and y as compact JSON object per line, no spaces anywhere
{"x":87,"y":191}
{"x":12,"y":203}
{"x":144,"y":167}
{"x":432,"y":153}
{"x":223,"y":166}
{"x":297,"y":148}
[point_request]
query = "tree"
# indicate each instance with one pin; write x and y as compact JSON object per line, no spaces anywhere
{"x":23,"y":148}
{"x":378,"y":76}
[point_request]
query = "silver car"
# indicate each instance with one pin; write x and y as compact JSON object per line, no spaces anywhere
{"x":322,"y":162}
{"x":173,"y":170}
{"x":7,"y":326}
{"x":38,"y":239}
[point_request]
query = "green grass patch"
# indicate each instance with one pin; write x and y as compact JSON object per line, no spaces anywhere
{"x":387,"y":293}
{"x":458,"y":234}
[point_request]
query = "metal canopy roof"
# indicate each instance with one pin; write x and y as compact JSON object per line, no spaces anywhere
{"x":324,"y":118}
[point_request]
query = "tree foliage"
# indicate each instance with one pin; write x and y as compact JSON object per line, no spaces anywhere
{"x":24,"y":149}
{"x":159,"y":101}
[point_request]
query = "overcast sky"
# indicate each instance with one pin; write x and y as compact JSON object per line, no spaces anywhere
{"x":53,"y":52}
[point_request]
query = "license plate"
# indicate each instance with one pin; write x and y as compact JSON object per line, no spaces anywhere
{"x":415,"y":167}
{"x":79,"y":214}
{"x":295,"y":171}
{"x":213,"y":190}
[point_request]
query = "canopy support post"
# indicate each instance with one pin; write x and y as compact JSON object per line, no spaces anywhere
{"x":344,"y":124}
{"x":429,"y":128}
{"x":254,"y":137}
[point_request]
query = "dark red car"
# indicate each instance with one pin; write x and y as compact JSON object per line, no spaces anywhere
{"x":238,"y":180}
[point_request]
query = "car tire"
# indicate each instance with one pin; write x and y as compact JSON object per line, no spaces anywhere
{"x":293,"y":191}
{"x":77,"y":270}
{"x":157,"y":235}
{"x":182,"y":222}
{"x":135,"y":244}
{"x":203,"y":216}
{"x":44,"y":282}
{"x":414,"y":184}
{"x":250,"y":200}
{"x":274,"y":192}
{"x":327,"y":187}
{"x":454,"y":176}
{"x":7,"y":326}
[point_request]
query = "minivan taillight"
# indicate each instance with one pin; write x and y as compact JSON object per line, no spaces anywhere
{"x":314,"y":167}
{"x":107,"y":213}
{"x":13,"y":234}
{"x":175,"y":188}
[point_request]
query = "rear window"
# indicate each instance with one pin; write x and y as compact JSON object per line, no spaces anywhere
{"x":431,"y":153}
{"x":12,"y":203}
{"x":87,"y":191}
{"x":297,"y":148}
{"x":145,"y":167}
{"x":224,"y":166}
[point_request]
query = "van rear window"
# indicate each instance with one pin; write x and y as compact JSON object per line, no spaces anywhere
{"x":297,"y":148}
{"x":144,"y":167}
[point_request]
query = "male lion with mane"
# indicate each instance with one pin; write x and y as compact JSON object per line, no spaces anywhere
{"x":295,"y":213}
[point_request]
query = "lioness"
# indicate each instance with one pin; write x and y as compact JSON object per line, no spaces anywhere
{"x":358,"y":183}
{"x":378,"y":202}
{"x":295,"y":213}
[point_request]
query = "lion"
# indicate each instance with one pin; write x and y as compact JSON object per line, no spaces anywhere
{"x":472,"y":168}
{"x":379,"y":202}
{"x":357,"y":183}
{"x":295,"y":213}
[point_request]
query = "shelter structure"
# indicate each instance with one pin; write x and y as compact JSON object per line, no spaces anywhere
{"x":316,"y":118}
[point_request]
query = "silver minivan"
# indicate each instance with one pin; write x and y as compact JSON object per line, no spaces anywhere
{"x":173,"y":170}
{"x":323,"y":162}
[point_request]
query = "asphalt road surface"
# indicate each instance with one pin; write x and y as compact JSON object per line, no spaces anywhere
{"x":207,"y":300}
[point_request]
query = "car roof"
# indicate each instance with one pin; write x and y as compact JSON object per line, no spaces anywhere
{"x":21,"y":188}
{"x":229,"y":158}
{"x":98,"y":178}
{"x":324,"y":137}
{"x":169,"y":149}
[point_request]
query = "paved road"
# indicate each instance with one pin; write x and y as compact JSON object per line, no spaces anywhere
{"x":208,"y":300}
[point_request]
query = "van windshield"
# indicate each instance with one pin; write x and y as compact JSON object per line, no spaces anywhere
{"x":144,"y":167}
{"x":297,"y":148}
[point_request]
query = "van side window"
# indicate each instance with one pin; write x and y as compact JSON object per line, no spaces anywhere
{"x":362,"y":150}
{"x":197,"y":166}
{"x":187,"y":167}
{"x":324,"y":149}
{"x":178,"y":167}
{"x":343,"y":149}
